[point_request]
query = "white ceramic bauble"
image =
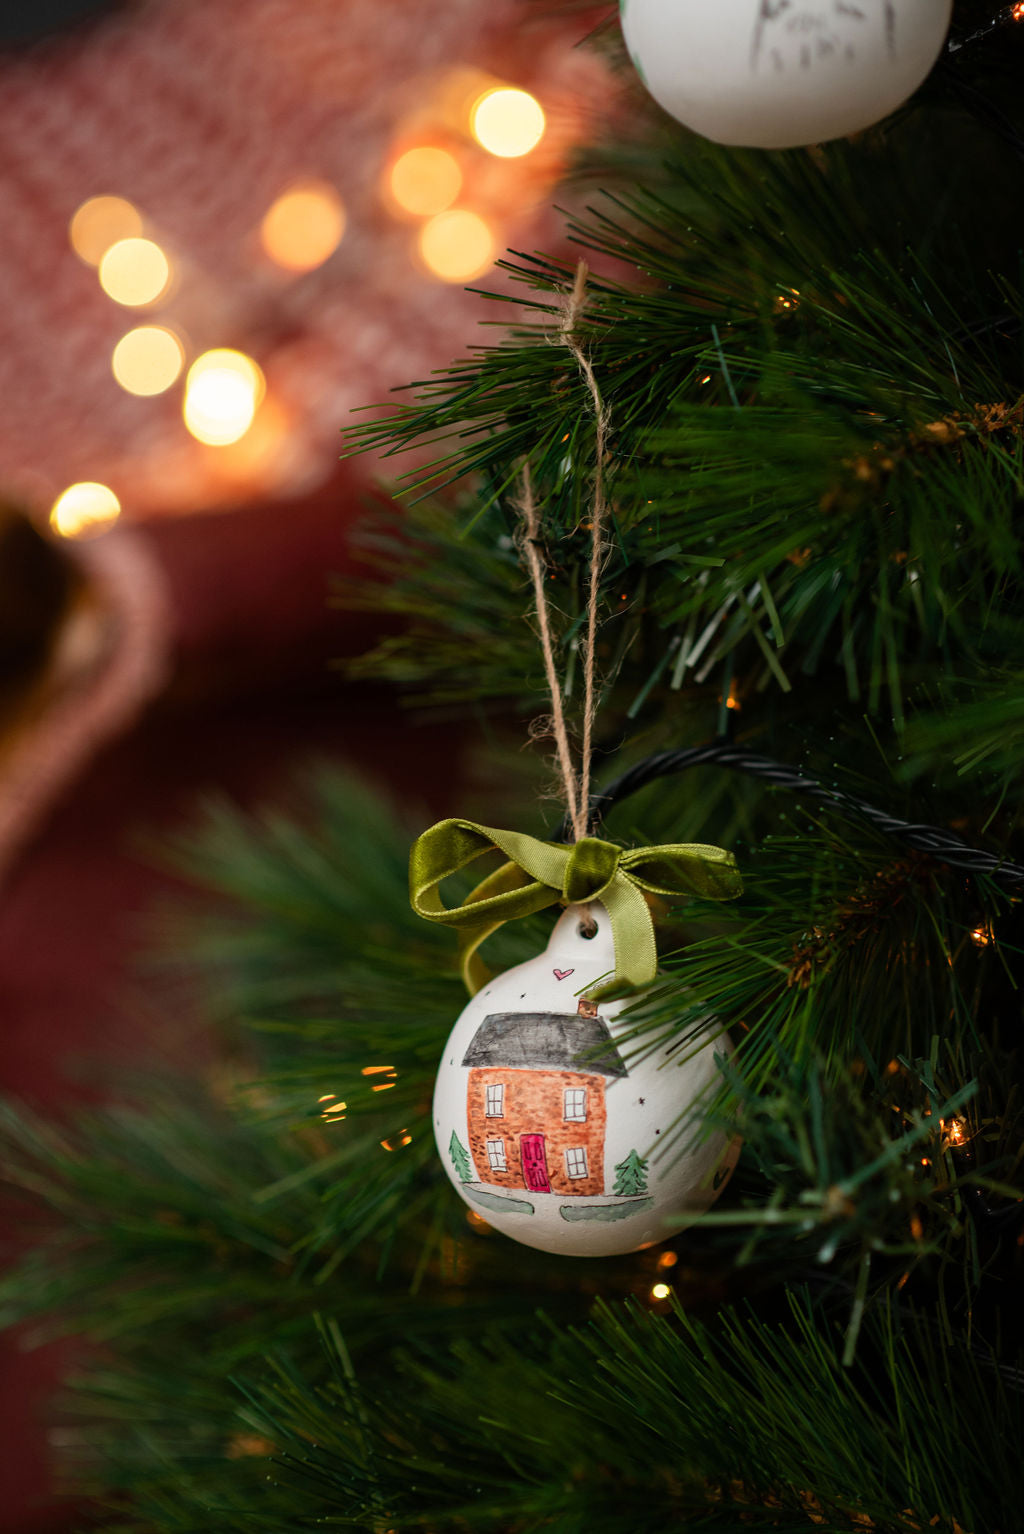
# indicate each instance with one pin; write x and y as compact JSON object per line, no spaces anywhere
{"x":774,"y":74}
{"x":551,"y":1132}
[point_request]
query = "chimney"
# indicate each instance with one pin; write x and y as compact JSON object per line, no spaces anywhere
{"x":587,"y":1008}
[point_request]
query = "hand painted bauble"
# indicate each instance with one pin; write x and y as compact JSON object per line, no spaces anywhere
{"x":774,"y":74}
{"x":549,"y":1124}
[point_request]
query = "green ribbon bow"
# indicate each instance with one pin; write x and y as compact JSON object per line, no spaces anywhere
{"x":540,"y":874}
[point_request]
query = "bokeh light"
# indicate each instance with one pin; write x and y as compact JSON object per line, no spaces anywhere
{"x":507,"y":122}
{"x":425,"y":180}
{"x":268,"y":457}
{"x":222,"y":394}
{"x":457,"y":245}
{"x":304,"y":226}
{"x":84,"y":510}
{"x":134,"y":272}
{"x":147,"y":360}
{"x":99,"y":223}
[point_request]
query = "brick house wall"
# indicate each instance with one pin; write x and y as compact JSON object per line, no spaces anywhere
{"x":533,"y":1103}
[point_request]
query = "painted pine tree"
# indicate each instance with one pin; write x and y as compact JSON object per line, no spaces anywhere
{"x":460,"y":1158}
{"x":631,"y":1176}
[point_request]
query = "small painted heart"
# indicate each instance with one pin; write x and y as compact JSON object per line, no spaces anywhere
{"x":561,"y":974}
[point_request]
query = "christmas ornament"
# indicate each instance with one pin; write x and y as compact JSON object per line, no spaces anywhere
{"x":548,"y":1124}
{"x":547,"y":1120}
{"x":775,"y":74}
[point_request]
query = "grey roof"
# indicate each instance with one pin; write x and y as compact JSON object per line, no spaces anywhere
{"x":545,"y":1041}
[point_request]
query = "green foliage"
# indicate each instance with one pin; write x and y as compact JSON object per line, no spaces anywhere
{"x":978,"y":726}
{"x":453,"y":592}
{"x":812,"y":367}
{"x":196,"y":1234}
{"x":647,"y":1421}
{"x":816,"y":440}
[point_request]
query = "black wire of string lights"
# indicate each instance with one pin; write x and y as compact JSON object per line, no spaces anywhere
{"x":972,"y":97}
{"x":1007,"y":15}
{"x":943,"y":845}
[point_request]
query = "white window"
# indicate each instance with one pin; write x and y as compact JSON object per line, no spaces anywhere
{"x":496,"y":1156}
{"x":496,"y":1101}
{"x":576,"y":1162}
{"x":576,"y":1104}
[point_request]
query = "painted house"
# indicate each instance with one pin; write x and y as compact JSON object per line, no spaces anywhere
{"x":536,"y":1099}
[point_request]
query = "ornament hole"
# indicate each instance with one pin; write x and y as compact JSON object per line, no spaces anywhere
{"x":587,"y":928}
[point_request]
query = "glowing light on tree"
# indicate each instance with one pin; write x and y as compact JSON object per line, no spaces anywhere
{"x":222,"y":394}
{"x":457,"y":245}
{"x":425,"y":181}
{"x":134,"y":272}
{"x":148,"y":359}
{"x":303,"y":226}
{"x":84,"y":510}
{"x":507,"y":122}
{"x":99,"y":223}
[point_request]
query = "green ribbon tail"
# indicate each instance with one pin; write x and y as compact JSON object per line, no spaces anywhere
{"x":636,"y":951}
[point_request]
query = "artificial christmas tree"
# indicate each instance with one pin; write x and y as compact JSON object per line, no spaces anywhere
{"x":790,"y":386}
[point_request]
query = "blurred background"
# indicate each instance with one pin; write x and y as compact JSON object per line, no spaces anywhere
{"x":226,"y":225}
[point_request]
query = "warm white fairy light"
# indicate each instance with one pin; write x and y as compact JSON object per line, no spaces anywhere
{"x":425,"y":180}
{"x":84,"y":510}
{"x":507,"y":122}
{"x":457,"y":245}
{"x":134,"y":272}
{"x":304,"y":226}
{"x":222,"y":394}
{"x":99,"y":223}
{"x":332,"y":1109}
{"x":955,"y":1133}
{"x":148,"y":360}
{"x":381,"y":1070}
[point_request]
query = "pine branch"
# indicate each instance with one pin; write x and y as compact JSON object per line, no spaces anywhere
{"x":649,"y":1420}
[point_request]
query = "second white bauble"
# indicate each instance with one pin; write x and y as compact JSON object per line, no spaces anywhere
{"x":775,"y":74}
{"x":549,"y":1124}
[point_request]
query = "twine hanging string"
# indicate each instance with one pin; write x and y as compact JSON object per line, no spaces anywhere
{"x":576,"y":786}
{"x":540,"y":874}
{"x":571,"y":313}
{"x":531,"y":543}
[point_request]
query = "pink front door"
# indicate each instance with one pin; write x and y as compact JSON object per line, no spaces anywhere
{"x":535,"y":1165}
